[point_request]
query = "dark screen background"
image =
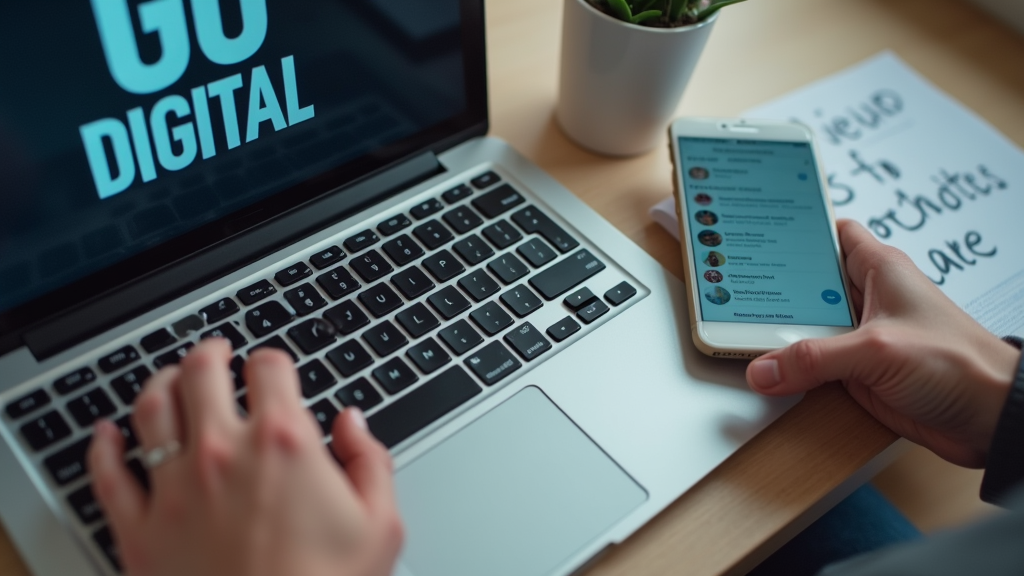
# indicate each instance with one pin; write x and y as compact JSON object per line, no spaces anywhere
{"x":376,"y":71}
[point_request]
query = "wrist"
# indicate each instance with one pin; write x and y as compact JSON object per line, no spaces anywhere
{"x":997,"y":378}
{"x":1004,"y":467}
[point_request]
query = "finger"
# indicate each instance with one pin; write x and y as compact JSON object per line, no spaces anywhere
{"x":117,"y":491}
{"x":807,"y":364}
{"x":367,"y":462}
{"x":207,"y":388}
{"x":157,"y":418}
{"x":272,"y":381}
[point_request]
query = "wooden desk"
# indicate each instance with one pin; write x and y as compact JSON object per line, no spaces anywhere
{"x":752,"y":503}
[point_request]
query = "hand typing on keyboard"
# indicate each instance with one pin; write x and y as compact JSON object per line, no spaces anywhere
{"x":249,"y":496}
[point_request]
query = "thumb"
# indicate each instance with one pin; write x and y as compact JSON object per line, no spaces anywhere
{"x":367,"y":462}
{"x":805,"y":365}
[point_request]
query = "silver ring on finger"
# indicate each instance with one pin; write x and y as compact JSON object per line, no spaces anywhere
{"x":157,"y":456}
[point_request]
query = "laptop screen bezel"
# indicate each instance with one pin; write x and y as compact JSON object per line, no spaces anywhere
{"x":471,"y":123}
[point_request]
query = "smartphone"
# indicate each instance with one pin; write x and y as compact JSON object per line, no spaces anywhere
{"x":758,"y":236}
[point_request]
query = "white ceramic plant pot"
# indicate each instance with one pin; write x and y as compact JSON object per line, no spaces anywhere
{"x":621,"y":83}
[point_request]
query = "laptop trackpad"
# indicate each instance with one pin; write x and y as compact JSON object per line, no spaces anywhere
{"x":515,"y":493}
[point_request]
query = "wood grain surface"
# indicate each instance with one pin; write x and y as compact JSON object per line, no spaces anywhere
{"x":759,"y":50}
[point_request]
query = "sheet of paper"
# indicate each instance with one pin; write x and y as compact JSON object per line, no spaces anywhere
{"x":924,"y":174}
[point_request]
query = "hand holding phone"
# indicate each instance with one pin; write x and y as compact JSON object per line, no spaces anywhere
{"x":758,"y":236}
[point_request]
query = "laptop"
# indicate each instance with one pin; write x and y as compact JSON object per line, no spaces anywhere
{"x":317,"y":177}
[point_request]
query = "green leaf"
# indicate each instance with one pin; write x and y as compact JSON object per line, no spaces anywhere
{"x":675,"y":10}
{"x":621,"y":10}
{"x":645,"y":16}
{"x":715,"y":7}
{"x":642,"y":5}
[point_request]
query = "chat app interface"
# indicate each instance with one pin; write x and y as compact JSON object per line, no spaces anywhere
{"x":760,"y":234}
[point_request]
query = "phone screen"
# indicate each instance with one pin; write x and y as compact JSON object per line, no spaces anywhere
{"x":759,"y":228}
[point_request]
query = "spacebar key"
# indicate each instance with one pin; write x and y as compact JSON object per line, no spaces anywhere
{"x":567,"y":274}
{"x":417,"y":409}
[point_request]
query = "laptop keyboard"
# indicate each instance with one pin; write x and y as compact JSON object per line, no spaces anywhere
{"x":409,"y":321}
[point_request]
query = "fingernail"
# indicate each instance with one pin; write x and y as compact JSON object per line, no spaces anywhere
{"x":357,"y":418}
{"x":765,"y":373}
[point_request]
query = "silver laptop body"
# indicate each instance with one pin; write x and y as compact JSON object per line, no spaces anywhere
{"x":552,"y":406}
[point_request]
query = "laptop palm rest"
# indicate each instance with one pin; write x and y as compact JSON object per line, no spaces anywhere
{"x":515,"y":493}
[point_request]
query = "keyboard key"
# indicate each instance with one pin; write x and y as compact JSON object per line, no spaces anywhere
{"x":460,"y":337}
{"x":84,"y":503}
{"x":473,"y":250}
{"x":462,"y":219}
{"x":527,"y":341}
{"x":384,"y":338}
{"x":592,"y":311}
{"x":428,"y":356}
{"x":485,"y":180}
{"x":90,"y":407}
{"x":491,"y":318}
{"x":293,"y":274}
{"x":313,"y":335}
{"x":116,"y":360}
{"x":361,"y":241}
{"x":380,"y":300}
{"x":395,"y":376}
{"x":448,"y":302}
{"x":425,"y":209}
{"x":266,"y":318}
{"x":228,"y":332}
{"x":188,"y":326}
{"x":433,"y":234}
{"x":412,"y":282}
{"x":305,"y":299}
{"x":324,"y":413}
{"x":124,"y":424}
{"x":338,"y":283}
{"x":219,"y":310}
{"x":620,"y":293}
{"x":532,"y":220}
{"x":371,"y":266}
{"x":393,"y":225}
{"x":350,"y":358}
{"x":479,"y":285}
{"x":327,"y":257}
{"x":566,"y":274}
{"x":74,"y":381}
{"x":563,"y":329}
{"x":129,"y":385}
{"x":45,"y":430}
{"x":360,"y":394}
{"x":492,"y":363}
{"x":278,"y":343}
{"x":28,"y":404}
{"x":521,"y":301}
{"x":536,"y":252}
{"x":237,"y":369}
{"x":423,"y":406}
{"x":498,"y":201}
{"x":157,"y":340}
{"x":502,"y":234}
{"x":579,"y":299}
{"x":460,"y":192}
{"x":172,"y":357}
{"x":258,"y":291}
{"x":402,"y":250}
{"x":347,"y":317}
{"x":443,"y":266}
{"x":68,"y":465}
{"x":508,"y":268}
{"x":105,"y":540}
{"x":315,"y":378}
{"x":417,"y":320}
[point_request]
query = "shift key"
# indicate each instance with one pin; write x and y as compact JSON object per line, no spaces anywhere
{"x":567,"y":274}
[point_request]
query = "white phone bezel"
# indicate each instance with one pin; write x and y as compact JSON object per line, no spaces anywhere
{"x":740,"y":339}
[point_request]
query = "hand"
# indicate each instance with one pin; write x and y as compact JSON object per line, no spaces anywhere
{"x":917,"y":363}
{"x":259,"y":496}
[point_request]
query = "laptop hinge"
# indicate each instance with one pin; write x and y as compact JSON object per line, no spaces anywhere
{"x":55,"y":335}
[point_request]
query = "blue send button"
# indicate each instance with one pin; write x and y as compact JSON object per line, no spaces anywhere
{"x":831,"y":297}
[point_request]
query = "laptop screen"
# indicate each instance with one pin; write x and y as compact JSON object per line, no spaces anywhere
{"x":128,"y":125}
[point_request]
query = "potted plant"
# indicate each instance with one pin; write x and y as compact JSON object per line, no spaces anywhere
{"x":625,"y":64}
